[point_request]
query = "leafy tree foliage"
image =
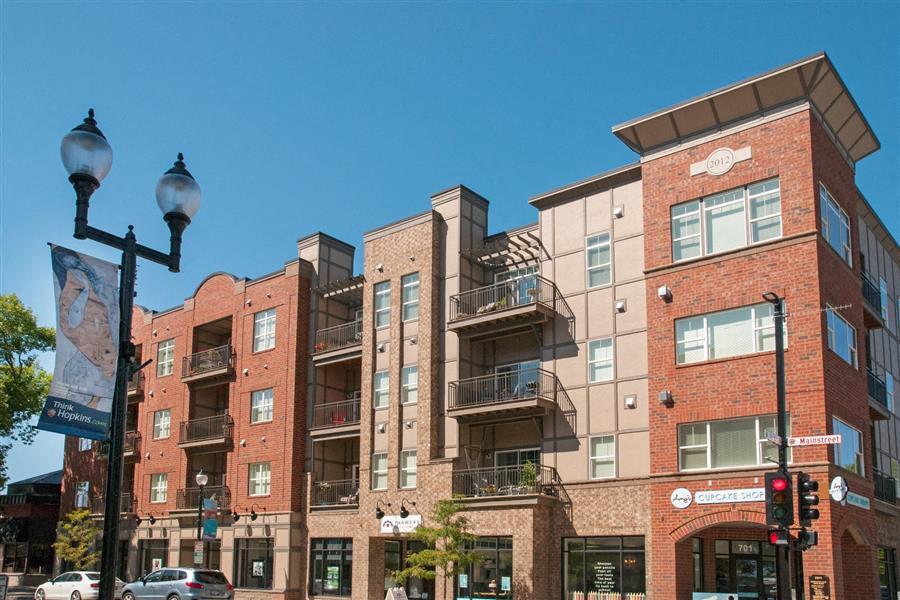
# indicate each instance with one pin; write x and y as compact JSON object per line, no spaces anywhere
{"x":76,"y":542}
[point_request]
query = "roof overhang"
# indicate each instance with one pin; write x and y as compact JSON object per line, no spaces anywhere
{"x":813,"y":79}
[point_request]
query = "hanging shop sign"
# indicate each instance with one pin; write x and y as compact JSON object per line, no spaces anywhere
{"x":720,"y":161}
{"x":838,"y":489}
{"x":393,"y":524}
{"x":681,"y":498}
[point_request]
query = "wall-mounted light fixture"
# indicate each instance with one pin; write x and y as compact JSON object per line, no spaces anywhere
{"x":631,"y":401}
{"x":619,"y":211}
{"x":665,"y":398}
{"x":379,"y":513}
{"x":621,"y":306}
{"x":665,"y":293}
{"x":403,"y":510}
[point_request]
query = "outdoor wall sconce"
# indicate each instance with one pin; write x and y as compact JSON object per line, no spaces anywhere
{"x":619,"y":211}
{"x":379,"y":267}
{"x":379,"y":514}
{"x":381,"y":427}
{"x":621,"y":305}
{"x":631,"y":401}
{"x":246,"y":372}
{"x":403,"y":511}
{"x":665,"y":398}
{"x":414,"y":340}
{"x":408,"y":424}
{"x":253,"y":514}
{"x":235,"y":517}
{"x":380,"y":347}
{"x":664,"y":293}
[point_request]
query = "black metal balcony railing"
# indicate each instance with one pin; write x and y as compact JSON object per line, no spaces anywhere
{"x":207,"y":361}
{"x":877,"y":387}
{"x":336,"y":493}
{"x":871,"y":293}
{"x":189,"y":498}
{"x":502,"y":387}
{"x":339,"y":336}
{"x":885,"y":487}
{"x":136,"y":383}
{"x":132,"y":442}
{"x":524,"y":291}
{"x":126,"y":502}
{"x":517,"y":480}
{"x":335,"y":414}
{"x":207,"y":428}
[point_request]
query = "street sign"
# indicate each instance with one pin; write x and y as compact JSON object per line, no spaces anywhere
{"x":773,"y":437}
{"x":814,"y":440}
{"x":198,"y":553}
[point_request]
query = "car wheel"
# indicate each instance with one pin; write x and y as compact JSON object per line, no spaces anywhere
{"x":127,"y":596}
{"x":39,"y":595}
{"x":76,"y":595}
{"x":173,"y":597}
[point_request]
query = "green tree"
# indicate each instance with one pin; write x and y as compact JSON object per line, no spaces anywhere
{"x":23,"y":383}
{"x":76,"y":540}
{"x":447,"y":546}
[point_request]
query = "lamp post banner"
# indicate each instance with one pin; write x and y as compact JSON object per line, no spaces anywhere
{"x":87,"y":345}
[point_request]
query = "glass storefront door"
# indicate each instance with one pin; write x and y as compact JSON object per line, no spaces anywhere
{"x":395,"y":553}
{"x":745,"y":567}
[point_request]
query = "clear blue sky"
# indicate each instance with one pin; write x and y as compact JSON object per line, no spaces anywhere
{"x":343,"y":117}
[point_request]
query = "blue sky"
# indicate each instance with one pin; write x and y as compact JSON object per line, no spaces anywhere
{"x":343,"y":117}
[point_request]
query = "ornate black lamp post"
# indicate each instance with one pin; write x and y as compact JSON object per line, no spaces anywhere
{"x":202,"y":479}
{"x":87,"y":157}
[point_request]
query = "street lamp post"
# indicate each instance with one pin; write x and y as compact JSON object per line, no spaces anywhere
{"x":202,"y":480}
{"x":87,"y":157}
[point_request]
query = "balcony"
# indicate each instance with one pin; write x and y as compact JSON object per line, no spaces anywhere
{"x":207,"y":431}
{"x":343,"y":493}
{"x":136,"y":387}
{"x":336,"y":419}
{"x":509,"y":305}
{"x":189,"y":498}
{"x":514,"y":394}
{"x":492,"y":483}
{"x":885,"y":487}
{"x":126,"y":503}
{"x":871,"y":302}
{"x":132,"y":447}
{"x":878,"y":408}
{"x":341,"y":342}
{"x":208,"y":364}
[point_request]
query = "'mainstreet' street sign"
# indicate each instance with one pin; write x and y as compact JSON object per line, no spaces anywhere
{"x":814,"y":440}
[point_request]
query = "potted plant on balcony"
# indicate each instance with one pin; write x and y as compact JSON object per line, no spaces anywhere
{"x":319,"y":346}
{"x":528,"y":478}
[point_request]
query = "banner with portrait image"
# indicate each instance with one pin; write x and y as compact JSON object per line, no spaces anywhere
{"x":87,"y":345}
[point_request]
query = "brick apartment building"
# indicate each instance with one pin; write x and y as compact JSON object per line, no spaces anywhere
{"x":595,"y":388}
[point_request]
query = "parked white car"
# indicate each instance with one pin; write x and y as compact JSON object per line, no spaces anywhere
{"x":74,"y":585}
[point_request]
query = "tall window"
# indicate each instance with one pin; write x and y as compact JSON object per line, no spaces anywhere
{"x":727,"y":443}
{"x":408,"y":469}
{"x":165,"y":358}
{"x":849,"y":453}
{"x":85,"y":444}
{"x":887,"y":572}
{"x":602,"y":567}
{"x":379,"y":471}
{"x":600,"y":360}
{"x":697,"y":555}
{"x":260,"y":479}
{"x":162,"y":424}
{"x":264,"y":330}
{"x":82,"y":490}
{"x":382,"y":304}
{"x":841,"y":336}
{"x":735,"y":332}
{"x":835,"y":225}
{"x":889,"y":390}
{"x":159,"y":487}
{"x":331,"y":567}
{"x":885,"y":302}
{"x":410,"y":296}
{"x":603,"y":457}
{"x":728,"y":220}
{"x":254,"y":559}
{"x":380,"y":387}
{"x":599,"y":270}
{"x":409,"y":391}
{"x":490,"y":577}
{"x":261,"y":405}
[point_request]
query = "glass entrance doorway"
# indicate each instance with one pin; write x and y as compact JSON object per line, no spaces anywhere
{"x":746,"y":568}
{"x":395,"y":552}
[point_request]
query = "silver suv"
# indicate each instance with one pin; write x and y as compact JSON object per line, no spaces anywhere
{"x":181,"y":583}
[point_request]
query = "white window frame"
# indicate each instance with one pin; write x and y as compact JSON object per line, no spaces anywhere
{"x":407,"y":471}
{"x":704,"y":337}
{"x":85,"y":444}
{"x":694,"y":213}
{"x":264,"y":326}
{"x":826,"y":200}
{"x":761,"y":441}
{"x":602,"y":362}
{"x":751,"y":221}
{"x":82,"y":494}
{"x":597,"y":242}
{"x":159,"y":488}
{"x":262,"y":404}
{"x":885,"y":302}
{"x":409,"y":384}
{"x":605,"y":458}
{"x":518,"y":452}
{"x":409,"y":283}
{"x":860,"y":453}
{"x":165,"y":358}
{"x":382,"y":315}
{"x":830,"y":315}
{"x":379,"y":378}
{"x":376,"y":473}
{"x":259,"y":479}
{"x":159,"y":424}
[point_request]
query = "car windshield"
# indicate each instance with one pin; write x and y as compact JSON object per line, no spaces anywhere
{"x":213,"y":577}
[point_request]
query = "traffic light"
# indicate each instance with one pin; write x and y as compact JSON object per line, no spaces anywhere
{"x":807,"y":499}
{"x":779,"y":537}
{"x":807,"y":539}
{"x":779,"y":502}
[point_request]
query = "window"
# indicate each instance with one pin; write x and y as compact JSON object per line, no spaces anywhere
{"x":379,"y":471}
{"x":735,"y":332}
{"x":260,"y":479}
{"x":14,"y":557}
{"x":835,"y":225}
{"x":601,"y":567}
{"x":697,"y":552}
{"x":410,"y":297}
{"x":253,"y":562}
{"x":599,"y":271}
{"x":162,"y":424}
{"x":600,"y":360}
{"x":382,"y":304}
{"x":727,"y":220}
{"x":603,"y":457}
{"x":159,"y":487}
{"x":165,"y":358}
{"x":727,"y":443}
{"x":841,"y":336}
{"x":85,"y":444}
{"x":331,"y":567}
{"x":490,"y":577}
{"x":889,"y":390}
{"x":849,"y":453}
{"x":409,"y":391}
{"x":261,"y":405}
{"x":885,"y":303}
{"x":154,"y":554}
{"x":408,"y":469}
{"x":264,"y":330}
{"x":382,"y":382}
{"x":887,"y":572}
{"x":82,"y":488}
{"x":731,"y":560}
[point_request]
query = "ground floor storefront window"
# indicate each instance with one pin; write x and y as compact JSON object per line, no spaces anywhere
{"x":253,"y":563}
{"x":212,"y":554}
{"x":491,"y":577}
{"x":745,"y":567}
{"x":887,"y":573}
{"x":594,"y":566}
{"x":395,"y":553}
{"x":331,"y":567}
{"x":154,"y":555}
{"x":14,"y":557}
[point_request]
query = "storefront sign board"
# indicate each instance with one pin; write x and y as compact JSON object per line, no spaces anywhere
{"x":819,"y":587}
